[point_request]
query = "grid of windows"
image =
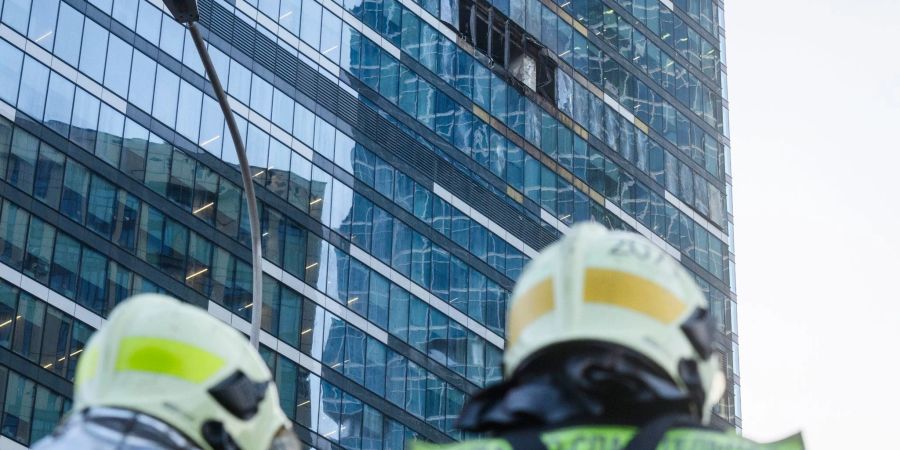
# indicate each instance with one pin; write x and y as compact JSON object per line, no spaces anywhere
{"x":635,"y":115}
{"x":217,"y":274}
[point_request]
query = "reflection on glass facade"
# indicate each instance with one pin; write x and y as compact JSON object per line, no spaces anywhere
{"x":411,"y":157}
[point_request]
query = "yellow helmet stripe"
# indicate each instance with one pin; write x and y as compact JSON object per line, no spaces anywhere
{"x":167,"y":357}
{"x":534,"y":303}
{"x":611,"y":287}
{"x":626,"y":290}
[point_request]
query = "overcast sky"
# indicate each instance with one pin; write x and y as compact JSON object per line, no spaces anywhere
{"x":815,"y":115}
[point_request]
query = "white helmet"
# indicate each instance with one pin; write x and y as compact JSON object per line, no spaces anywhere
{"x":615,"y":287}
{"x":178,"y":364}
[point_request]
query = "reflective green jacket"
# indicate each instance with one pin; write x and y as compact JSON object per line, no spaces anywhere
{"x":616,"y":437}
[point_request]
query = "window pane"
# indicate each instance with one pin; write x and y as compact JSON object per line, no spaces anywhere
{"x":159,"y":163}
{"x":125,"y":222}
{"x":93,"y":50}
{"x":382,"y":235}
{"x":140,"y":88}
{"x":29,"y":327}
{"x":58,"y":112}
{"x":10,"y":69}
{"x":165,"y":96}
{"x":437,"y":337}
{"x":22,"y":159}
{"x":84,"y":121}
{"x":415,"y":385}
{"x":310,"y":23}
{"x":134,"y":150}
{"x":399,"y":312}
{"x":75,"y":190}
{"x":189,"y":105}
{"x":456,"y":348}
{"x":39,"y":251}
{"x":57,"y":328}
{"x":378,"y":300}
{"x":331,"y":36}
{"x":63,"y":271}
{"x":375,"y":366}
{"x":80,"y":335}
{"x":34,"y":88}
{"x":40,"y":29}
{"x":6,"y":130}
{"x":8,"y":304}
{"x":13,"y":225}
{"x":181,"y":181}
{"x":418,"y":324}
{"x":228,"y":209}
{"x":355,"y":356}
{"x":101,"y":206}
{"x":92,"y":281}
{"x":333,"y":351}
{"x":373,"y":424}
{"x":17,"y":408}
{"x":117,"y":74}
{"x":396,"y":378}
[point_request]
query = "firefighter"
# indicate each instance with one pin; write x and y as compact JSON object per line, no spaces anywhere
{"x":164,"y":375}
{"x":609,"y":345}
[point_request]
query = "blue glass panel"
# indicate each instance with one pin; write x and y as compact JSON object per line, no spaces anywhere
{"x":399,"y":312}
{"x":378,"y":300}
{"x":355,"y":355}
{"x":64,"y":269}
{"x":33,"y":90}
{"x":395,"y":392}
{"x":10,"y":69}
{"x":15,"y":14}
{"x":93,"y":54}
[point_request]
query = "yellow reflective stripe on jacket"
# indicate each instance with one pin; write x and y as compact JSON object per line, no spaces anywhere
{"x":481,"y":444}
{"x":615,"y":438}
{"x":167,"y":357}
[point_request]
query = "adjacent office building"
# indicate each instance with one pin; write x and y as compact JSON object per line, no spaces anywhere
{"x":411,"y":157}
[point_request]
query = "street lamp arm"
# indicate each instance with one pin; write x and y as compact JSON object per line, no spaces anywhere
{"x":249,"y":191}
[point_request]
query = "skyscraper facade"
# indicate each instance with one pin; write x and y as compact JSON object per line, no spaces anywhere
{"x":411,"y":157}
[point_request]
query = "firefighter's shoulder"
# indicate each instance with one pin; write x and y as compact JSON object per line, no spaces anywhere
{"x":618,"y":437}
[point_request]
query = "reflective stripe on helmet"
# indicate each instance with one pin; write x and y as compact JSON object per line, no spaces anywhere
{"x":625,"y":290}
{"x":167,"y":357}
{"x":529,"y":307}
{"x":605,"y":286}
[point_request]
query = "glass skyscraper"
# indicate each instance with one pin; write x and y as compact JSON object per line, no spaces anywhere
{"x":411,"y":157}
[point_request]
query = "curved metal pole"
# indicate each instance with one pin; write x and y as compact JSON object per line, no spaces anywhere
{"x":249,"y":191}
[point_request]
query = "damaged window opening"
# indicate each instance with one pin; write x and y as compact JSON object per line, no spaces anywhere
{"x":506,"y":44}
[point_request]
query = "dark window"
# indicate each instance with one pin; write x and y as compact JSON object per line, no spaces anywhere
{"x":8,"y":304}
{"x":64,"y":270}
{"x":54,"y":352}
{"x":101,"y":207}
{"x":13,"y":226}
{"x":92,"y":281}
{"x":17,"y":408}
{"x":29,"y":325}
{"x":22,"y":160}
{"x":75,"y":190}
{"x":39,"y":250}
{"x":49,"y":175}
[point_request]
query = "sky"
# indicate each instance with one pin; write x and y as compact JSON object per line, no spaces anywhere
{"x":814,"y":96}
